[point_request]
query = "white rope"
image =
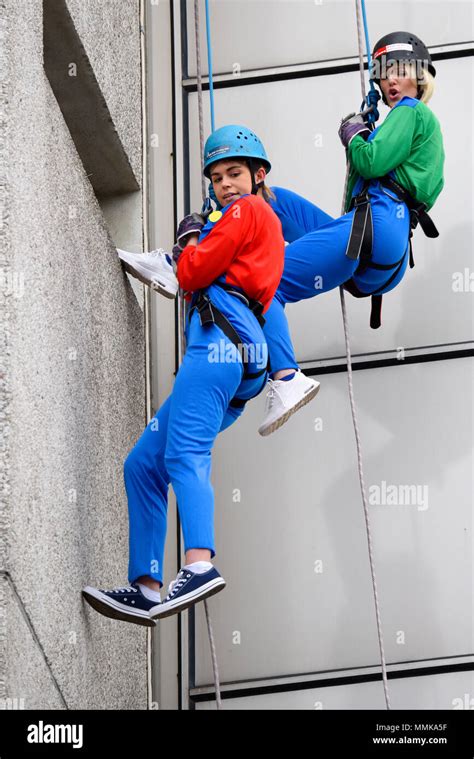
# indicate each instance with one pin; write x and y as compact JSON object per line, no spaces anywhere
{"x":199,"y":94}
{"x":353,"y":407}
{"x":360,"y":42}
{"x":215,"y":667}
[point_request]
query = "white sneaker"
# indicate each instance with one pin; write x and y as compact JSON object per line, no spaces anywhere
{"x":154,"y":269}
{"x":284,"y":398}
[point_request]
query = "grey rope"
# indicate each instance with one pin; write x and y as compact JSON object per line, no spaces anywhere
{"x":215,"y":667}
{"x":353,"y":407}
{"x":360,"y":42}
{"x":199,"y":92}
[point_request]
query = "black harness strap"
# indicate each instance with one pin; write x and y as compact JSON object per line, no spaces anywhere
{"x":361,"y":240}
{"x":376,"y":304}
{"x":359,"y":245}
{"x":238,"y":402}
{"x":254,"y":305}
{"x":418,"y":211}
{"x":210,"y":314}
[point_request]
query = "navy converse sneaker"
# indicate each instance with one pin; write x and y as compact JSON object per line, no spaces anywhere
{"x":128,"y":604}
{"x":188,"y":588}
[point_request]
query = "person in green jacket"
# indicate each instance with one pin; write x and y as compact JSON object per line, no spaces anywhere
{"x":396,"y":175}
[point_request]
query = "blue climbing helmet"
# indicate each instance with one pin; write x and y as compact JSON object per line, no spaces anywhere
{"x":234,"y":141}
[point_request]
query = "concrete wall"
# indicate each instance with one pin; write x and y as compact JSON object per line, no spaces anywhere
{"x":72,"y":395}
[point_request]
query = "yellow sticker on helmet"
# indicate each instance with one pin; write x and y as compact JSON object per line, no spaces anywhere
{"x":215,"y":216}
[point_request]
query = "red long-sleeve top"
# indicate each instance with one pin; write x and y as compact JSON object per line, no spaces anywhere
{"x":246,"y":245}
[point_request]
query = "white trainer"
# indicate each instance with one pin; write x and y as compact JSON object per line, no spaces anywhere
{"x":153,"y":269}
{"x":284,"y":398}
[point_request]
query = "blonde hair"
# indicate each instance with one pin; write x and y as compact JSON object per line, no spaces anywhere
{"x":424,"y":81}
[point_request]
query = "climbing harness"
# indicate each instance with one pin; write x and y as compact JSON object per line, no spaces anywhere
{"x":210,"y":314}
{"x":360,"y":244}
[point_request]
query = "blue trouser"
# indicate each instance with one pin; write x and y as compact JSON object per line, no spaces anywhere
{"x":316,"y":261}
{"x":176,"y":444}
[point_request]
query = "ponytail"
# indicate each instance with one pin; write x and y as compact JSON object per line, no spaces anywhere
{"x":267,"y":193}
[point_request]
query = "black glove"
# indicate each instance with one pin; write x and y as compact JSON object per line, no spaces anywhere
{"x":190,"y":225}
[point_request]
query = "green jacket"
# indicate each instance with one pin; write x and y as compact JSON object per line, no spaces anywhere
{"x":409,"y":142}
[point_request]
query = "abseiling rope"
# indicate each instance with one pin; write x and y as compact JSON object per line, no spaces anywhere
{"x":215,"y":667}
{"x":351,"y":395}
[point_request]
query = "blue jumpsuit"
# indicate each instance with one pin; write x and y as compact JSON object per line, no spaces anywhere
{"x":175,"y":447}
{"x":316,"y":261}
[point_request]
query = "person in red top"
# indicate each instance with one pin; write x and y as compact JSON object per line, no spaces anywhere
{"x":236,"y":244}
{"x":230,"y":263}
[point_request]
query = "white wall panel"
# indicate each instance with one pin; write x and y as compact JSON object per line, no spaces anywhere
{"x":300,"y":503}
{"x":257,"y":34}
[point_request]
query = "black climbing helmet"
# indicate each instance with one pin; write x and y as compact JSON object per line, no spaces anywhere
{"x":399,"y":46}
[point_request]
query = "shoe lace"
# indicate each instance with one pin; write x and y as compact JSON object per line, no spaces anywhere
{"x":157,"y":253}
{"x":175,"y":585}
{"x":128,"y":589}
{"x":272,"y":394}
